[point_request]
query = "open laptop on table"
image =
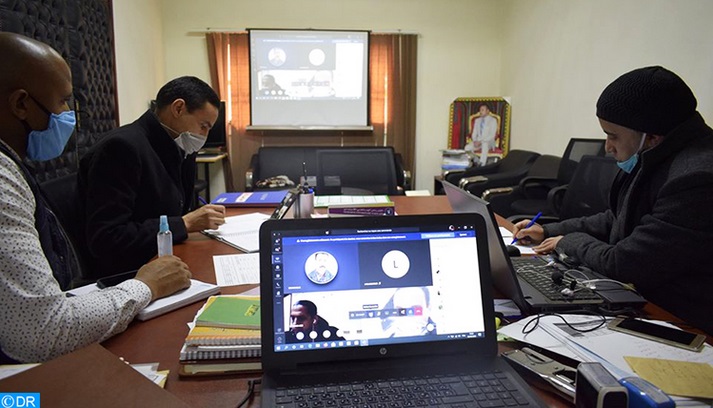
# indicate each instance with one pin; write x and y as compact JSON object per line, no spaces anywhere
{"x":528,"y":280}
{"x":404,"y":314}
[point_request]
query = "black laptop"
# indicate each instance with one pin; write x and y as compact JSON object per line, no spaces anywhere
{"x":404,"y":314}
{"x":528,"y":280}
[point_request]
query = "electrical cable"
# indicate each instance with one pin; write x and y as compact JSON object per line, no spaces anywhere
{"x":536,"y":319}
{"x":250,"y":392}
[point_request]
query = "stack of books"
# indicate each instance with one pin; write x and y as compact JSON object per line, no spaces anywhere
{"x":224,"y":338}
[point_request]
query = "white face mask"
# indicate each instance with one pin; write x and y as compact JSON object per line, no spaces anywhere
{"x":188,"y":142}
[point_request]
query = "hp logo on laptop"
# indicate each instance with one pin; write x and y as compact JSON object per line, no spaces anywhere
{"x":383,"y":351}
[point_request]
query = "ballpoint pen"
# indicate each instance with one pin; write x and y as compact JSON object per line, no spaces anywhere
{"x":202,"y":200}
{"x":529,"y":224}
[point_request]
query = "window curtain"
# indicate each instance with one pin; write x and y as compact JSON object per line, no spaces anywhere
{"x":392,"y":82}
{"x":392,"y":61}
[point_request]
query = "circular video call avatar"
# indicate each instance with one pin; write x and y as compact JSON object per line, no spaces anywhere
{"x":395,"y":264}
{"x":321,"y":267}
{"x":276,"y":56}
{"x":317,"y":57}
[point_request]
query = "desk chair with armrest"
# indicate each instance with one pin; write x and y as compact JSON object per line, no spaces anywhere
{"x":503,"y":173}
{"x":586,"y":194}
{"x":530,"y":196}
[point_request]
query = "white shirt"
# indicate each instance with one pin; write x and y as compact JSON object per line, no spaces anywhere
{"x":37,"y":321}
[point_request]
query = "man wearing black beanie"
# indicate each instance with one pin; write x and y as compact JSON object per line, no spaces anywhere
{"x":659,"y":228}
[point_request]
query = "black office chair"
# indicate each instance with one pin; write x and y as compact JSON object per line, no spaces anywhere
{"x":63,"y":198}
{"x":586,"y":194}
{"x":356,"y":171}
{"x":506,"y":172}
{"x":501,"y":198}
{"x":530,"y":197}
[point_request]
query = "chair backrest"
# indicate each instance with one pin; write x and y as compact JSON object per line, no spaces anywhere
{"x":356,"y":171}
{"x":295,"y":161}
{"x":517,"y":160}
{"x":588,"y":191}
{"x":545,"y":166}
{"x":573,"y":153}
{"x":291,"y":161}
{"x":63,"y":197}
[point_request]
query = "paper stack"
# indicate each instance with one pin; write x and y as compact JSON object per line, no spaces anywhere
{"x":454,"y":159}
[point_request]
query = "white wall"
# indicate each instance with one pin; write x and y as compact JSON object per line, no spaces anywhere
{"x":552,"y":57}
{"x":139,"y":55}
{"x":558,"y":56}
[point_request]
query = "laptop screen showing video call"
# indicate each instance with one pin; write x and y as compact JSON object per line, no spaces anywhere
{"x":375,"y":287}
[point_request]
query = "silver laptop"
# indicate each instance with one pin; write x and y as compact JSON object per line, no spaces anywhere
{"x":379,"y":311}
{"x":529,"y":283}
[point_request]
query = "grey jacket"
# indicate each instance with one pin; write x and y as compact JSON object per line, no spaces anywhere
{"x":659,"y":230}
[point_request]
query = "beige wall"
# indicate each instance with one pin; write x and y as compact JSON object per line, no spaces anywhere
{"x":140,"y":67}
{"x":552,"y":57}
{"x":446,"y":67}
{"x":558,"y":56}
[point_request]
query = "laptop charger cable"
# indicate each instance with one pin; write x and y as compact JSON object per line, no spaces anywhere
{"x":250,"y":392}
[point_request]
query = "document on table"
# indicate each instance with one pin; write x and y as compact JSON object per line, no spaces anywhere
{"x":197,"y":291}
{"x":507,"y":239}
{"x":602,"y":345}
{"x":237,"y":269}
{"x":240,"y":231}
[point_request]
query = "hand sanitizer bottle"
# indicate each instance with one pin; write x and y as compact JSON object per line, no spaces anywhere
{"x":164,"y":238}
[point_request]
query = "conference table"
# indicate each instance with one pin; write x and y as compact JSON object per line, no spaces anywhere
{"x":160,"y":339}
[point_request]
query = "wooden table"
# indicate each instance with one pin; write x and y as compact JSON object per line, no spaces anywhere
{"x":160,"y":339}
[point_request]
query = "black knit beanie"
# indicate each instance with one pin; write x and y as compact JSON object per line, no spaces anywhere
{"x":652,"y":100}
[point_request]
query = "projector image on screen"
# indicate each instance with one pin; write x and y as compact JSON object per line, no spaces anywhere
{"x":309,"y":78}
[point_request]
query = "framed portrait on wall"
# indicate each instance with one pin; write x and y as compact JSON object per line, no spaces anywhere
{"x":481,"y":126}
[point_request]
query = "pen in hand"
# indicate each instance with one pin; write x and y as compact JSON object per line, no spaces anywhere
{"x":202,"y":200}
{"x":529,"y":224}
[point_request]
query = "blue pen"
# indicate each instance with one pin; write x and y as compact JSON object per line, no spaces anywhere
{"x":530,"y":224}
{"x":202,"y":200}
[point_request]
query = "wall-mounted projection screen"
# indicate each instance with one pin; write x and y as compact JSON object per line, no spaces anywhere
{"x":309,"y":79}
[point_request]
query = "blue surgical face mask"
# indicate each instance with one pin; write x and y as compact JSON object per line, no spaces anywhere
{"x":49,"y":143}
{"x":629,"y":164}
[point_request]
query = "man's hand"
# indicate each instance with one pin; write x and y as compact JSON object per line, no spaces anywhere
{"x":548,"y":245}
{"x":527,"y":236}
{"x":165,"y":276}
{"x":209,"y":216}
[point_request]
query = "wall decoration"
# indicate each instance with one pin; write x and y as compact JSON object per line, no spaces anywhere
{"x":478,"y":124}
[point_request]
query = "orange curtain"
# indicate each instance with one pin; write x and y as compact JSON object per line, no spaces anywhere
{"x":230,"y":77}
{"x":392,"y":65}
{"x":392,"y":81}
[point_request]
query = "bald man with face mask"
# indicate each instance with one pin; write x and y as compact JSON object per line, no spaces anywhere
{"x":37,"y":320}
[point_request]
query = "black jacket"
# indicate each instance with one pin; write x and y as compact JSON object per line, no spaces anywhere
{"x":135,"y":174}
{"x":659,"y":230}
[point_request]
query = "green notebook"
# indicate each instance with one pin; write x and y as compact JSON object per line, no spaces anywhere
{"x":242,"y":312}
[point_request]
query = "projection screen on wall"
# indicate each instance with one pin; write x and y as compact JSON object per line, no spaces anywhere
{"x":309,"y":79}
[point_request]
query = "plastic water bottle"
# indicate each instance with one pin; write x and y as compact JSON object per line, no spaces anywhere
{"x":164,"y":238}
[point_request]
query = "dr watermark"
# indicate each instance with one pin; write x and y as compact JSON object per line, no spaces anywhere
{"x":19,"y":399}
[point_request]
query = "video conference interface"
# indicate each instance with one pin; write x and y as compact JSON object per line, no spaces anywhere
{"x":309,"y":78}
{"x":359,"y":288}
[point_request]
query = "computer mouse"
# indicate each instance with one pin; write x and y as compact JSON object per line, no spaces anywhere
{"x":512,"y":250}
